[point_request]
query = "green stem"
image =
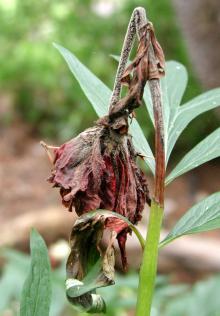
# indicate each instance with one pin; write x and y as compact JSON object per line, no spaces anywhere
{"x":139,"y":236}
{"x":148,"y":268}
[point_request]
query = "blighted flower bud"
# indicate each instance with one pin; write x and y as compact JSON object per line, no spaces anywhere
{"x":98,"y":170}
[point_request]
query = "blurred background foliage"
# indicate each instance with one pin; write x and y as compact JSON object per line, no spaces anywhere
{"x":170,"y":299}
{"x":36,"y":80}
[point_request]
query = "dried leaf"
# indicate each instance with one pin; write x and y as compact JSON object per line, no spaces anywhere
{"x":90,"y":264}
{"x":139,"y":71}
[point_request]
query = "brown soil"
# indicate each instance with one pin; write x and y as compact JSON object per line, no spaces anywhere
{"x":23,"y":172}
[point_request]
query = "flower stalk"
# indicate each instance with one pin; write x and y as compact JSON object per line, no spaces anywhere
{"x":148,"y":270}
{"x":154,"y":63}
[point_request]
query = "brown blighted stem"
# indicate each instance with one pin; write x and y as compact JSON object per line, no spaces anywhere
{"x":155,"y":90}
{"x":159,"y":141}
{"x":148,"y":270}
{"x":137,"y":21}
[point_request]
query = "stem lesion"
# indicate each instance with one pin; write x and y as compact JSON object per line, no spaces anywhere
{"x":159,"y":142}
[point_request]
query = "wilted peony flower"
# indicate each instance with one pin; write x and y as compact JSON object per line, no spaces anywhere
{"x":98,"y":170}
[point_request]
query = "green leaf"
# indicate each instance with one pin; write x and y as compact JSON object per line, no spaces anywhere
{"x":95,"y":90}
{"x":187,"y":112}
{"x":201,"y":217}
{"x":176,"y":81}
{"x":99,"y":96}
{"x":36,"y":293}
{"x":148,"y":102}
{"x":141,"y":144}
{"x":206,"y":150}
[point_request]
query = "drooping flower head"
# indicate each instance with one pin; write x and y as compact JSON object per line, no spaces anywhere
{"x":98,"y":169}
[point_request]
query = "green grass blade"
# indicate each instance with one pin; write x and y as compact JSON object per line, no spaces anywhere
{"x":36,"y":293}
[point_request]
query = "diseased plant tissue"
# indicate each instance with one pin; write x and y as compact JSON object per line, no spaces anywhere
{"x":98,"y":170}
